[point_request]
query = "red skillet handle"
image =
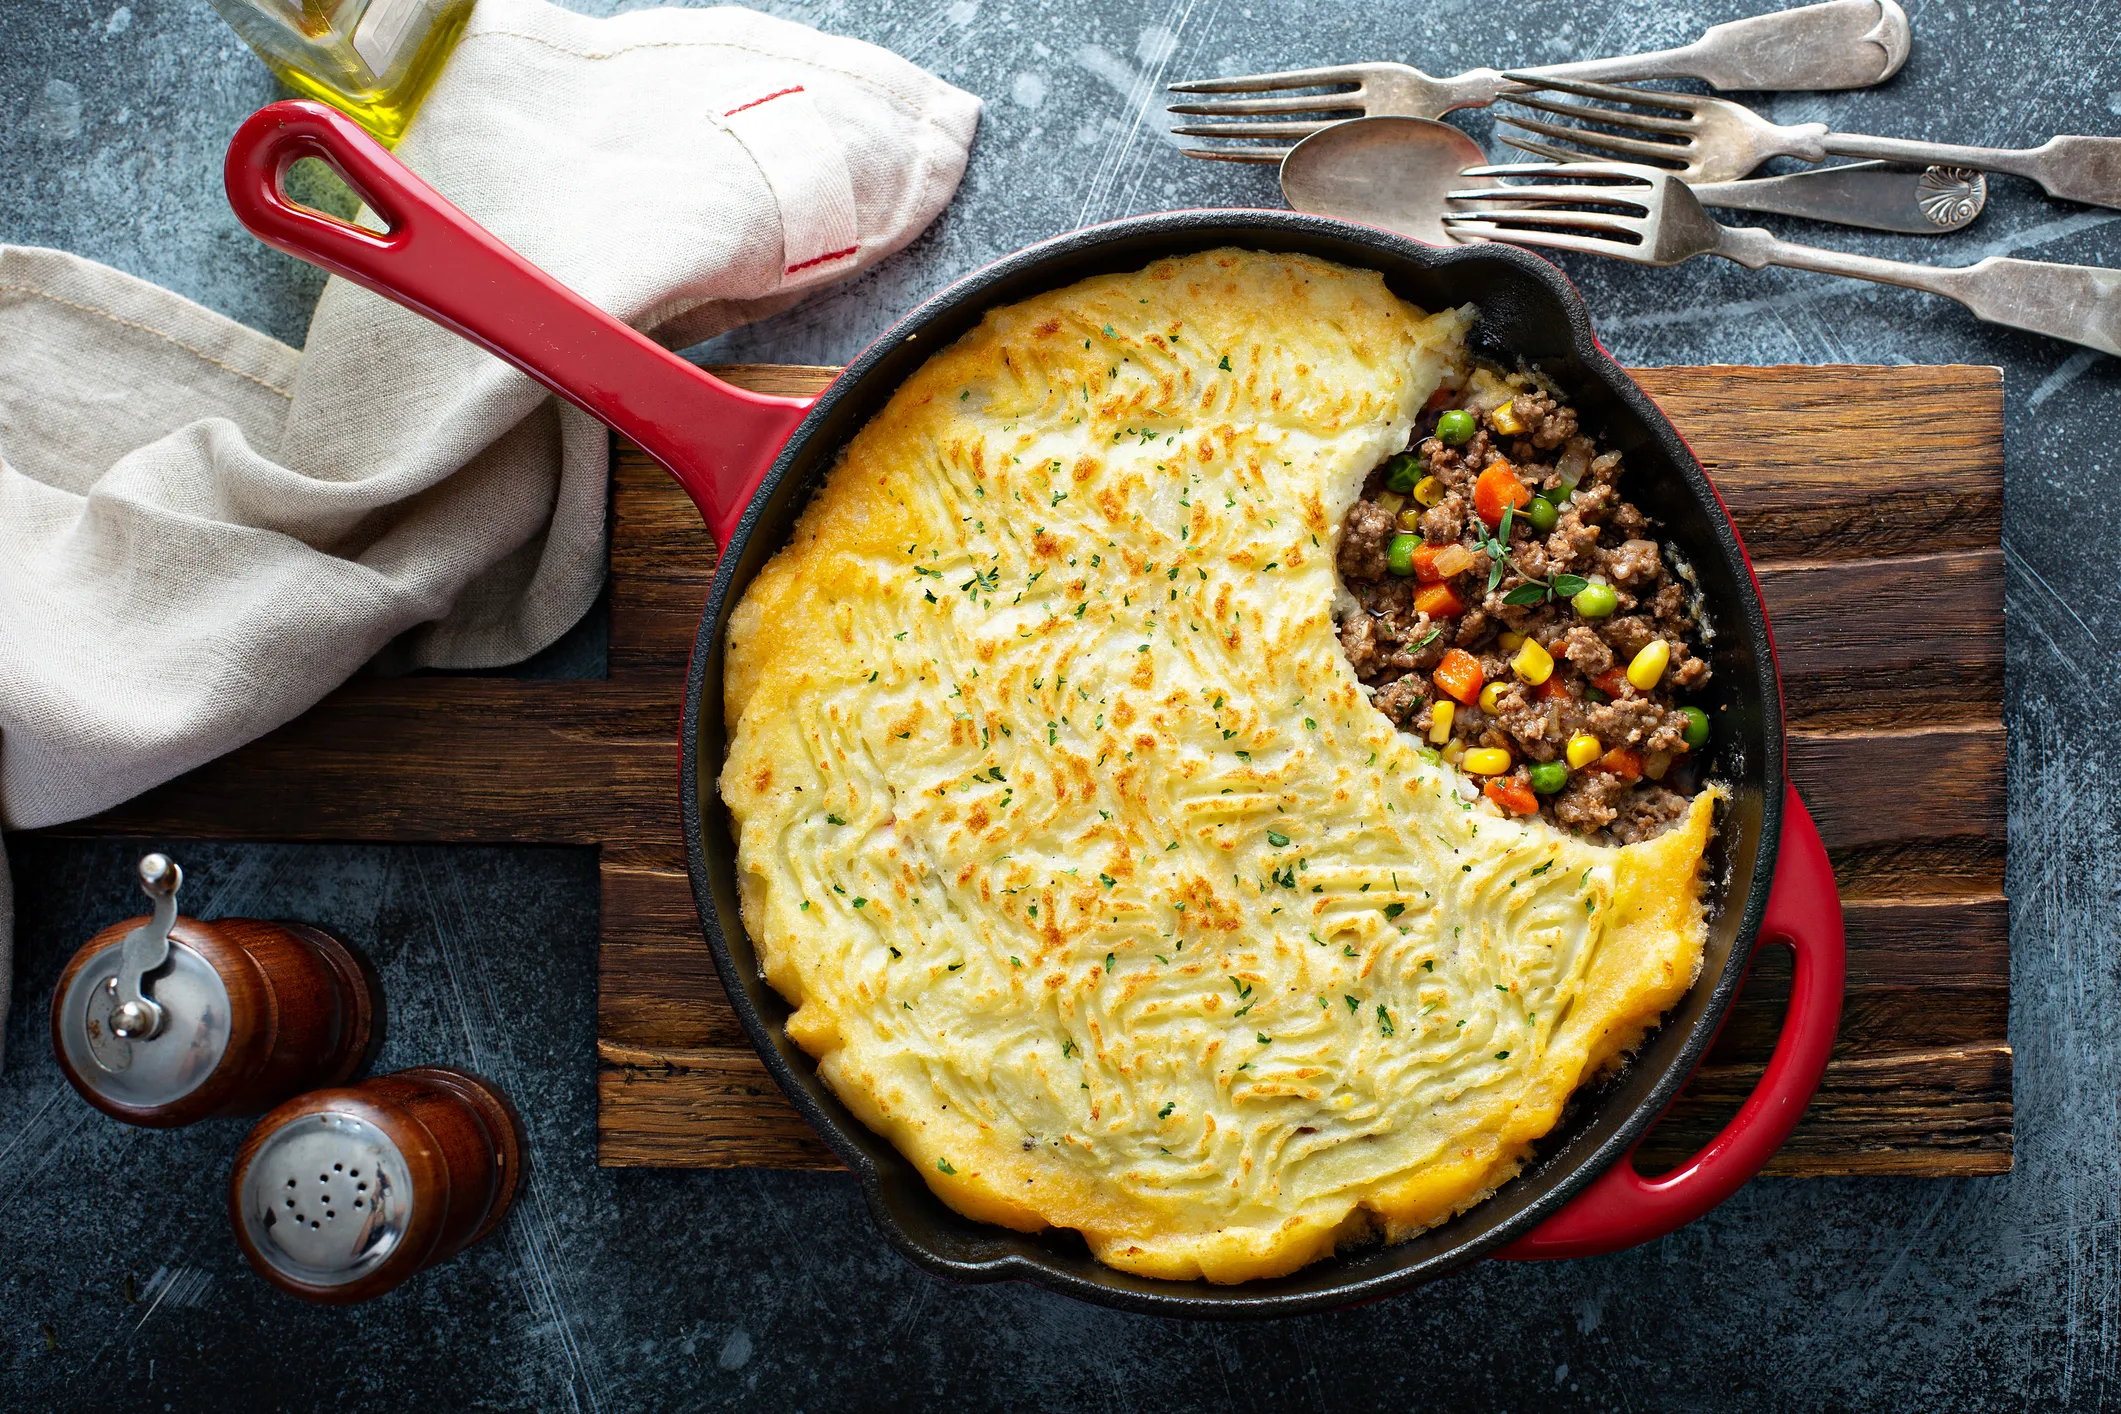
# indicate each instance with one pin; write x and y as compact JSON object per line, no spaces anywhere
{"x":716,"y":440}
{"x":1621,"y":1208}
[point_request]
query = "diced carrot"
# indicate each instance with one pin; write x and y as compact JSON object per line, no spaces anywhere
{"x":1459,"y":673}
{"x":1497,"y":489}
{"x":1439,"y":601}
{"x":1512,"y":794}
{"x":1425,"y":563}
{"x":1611,"y":682}
{"x":1621,"y":762}
{"x":1552,"y":688}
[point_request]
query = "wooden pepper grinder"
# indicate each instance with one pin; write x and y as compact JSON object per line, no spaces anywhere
{"x":162,"y":1021}
{"x":340,"y":1195}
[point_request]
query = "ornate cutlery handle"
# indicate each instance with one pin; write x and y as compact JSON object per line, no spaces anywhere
{"x":1840,"y":44}
{"x":2080,"y":303}
{"x":1933,"y":202}
{"x":2086,"y":169}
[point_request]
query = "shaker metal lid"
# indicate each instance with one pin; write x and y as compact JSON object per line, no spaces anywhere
{"x":146,"y":1072}
{"x":326,"y":1198}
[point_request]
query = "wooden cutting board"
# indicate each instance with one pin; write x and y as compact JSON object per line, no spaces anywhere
{"x":1871,"y":500}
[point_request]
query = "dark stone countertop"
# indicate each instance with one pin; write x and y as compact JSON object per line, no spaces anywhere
{"x":120,"y":1286}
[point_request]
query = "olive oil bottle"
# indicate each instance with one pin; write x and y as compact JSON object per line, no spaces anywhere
{"x":374,"y":59}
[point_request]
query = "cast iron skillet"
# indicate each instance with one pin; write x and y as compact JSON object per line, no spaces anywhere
{"x":751,"y":462}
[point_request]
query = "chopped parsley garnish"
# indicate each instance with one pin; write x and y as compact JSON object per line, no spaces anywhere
{"x":1165,"y":1112}
{"x":834,"y":820}
{"x":944,"y":1165}
{"x":1277,"y":839}
{"x":1393,"y":910}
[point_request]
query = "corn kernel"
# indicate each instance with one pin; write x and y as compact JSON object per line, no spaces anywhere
{"x":1533,"y":663}
{"x":1410,"y":519}
{"x":1583,"y":750}
{"x":1648,"y":668}
{"x":1428,"y":491}
{"x":1487,"y":761}
{"x":1452,"y":752}
{"x":1440,"y":720}
{"x":1391,"y":501}
{"x":1488,"y":695}
{"x":1511,"y":642}
{"x":1506,"y":421}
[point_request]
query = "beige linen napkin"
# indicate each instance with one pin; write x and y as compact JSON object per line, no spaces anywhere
{"x":202,"y":531}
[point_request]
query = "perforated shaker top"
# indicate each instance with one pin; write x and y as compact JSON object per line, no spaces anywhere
{"x":326,"y":1199}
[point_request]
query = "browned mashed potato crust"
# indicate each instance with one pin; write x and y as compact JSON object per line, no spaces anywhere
{"x":1095,"y":880}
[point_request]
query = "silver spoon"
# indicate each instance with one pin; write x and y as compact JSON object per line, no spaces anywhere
{"x":1394,"y":173}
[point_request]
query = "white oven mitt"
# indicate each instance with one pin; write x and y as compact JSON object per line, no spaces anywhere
{"x":202,"y":531}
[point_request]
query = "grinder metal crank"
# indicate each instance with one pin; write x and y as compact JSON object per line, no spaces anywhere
{"x":165,"y":1020}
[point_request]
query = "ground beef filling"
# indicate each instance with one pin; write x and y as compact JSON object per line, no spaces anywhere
{"x":1643,"y":772}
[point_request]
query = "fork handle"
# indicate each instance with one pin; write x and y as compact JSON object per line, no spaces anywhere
{"x":2079,"y":303}
{"x":1840,"y":44}
{"x":2086,"y":169}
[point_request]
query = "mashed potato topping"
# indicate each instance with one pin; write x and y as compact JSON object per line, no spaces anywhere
{"x":1097,"y":883}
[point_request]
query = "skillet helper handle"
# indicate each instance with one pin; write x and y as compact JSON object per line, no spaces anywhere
{"x":1623,"y":1209}
{"x":717,"y":440}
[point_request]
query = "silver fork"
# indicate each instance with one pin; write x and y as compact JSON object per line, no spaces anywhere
{"x":1716,"y":140}
{"x":1649,"y":216}
{"x":1839,"y":44}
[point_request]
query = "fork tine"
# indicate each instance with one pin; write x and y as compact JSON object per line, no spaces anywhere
{"x":1288,"y":103}
{"x":1610,"y":93}
{"x":1262,"y":83}
{"x":1572,"y":196}
{"x":1609,"y":142}
{"x":1542,"y":218}
{"x":1295,"y":130}
{"x":1547,"y":150}
{"x":1590,"y":245}
{"x":1622,"y":171}
{"x":1236,"y":154}
{"x":1611,"y":117}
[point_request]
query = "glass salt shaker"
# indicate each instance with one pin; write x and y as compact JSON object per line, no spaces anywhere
{"x":373,"y":59}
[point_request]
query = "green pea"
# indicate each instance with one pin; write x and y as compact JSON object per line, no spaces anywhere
{"x":1549,"y":776}
{"x":1542,"y":514}
{"x":1456,"y":428}
{"x":1402,"y":472}
{"x":1596,"y":601}
{"x":1399,"y":555}
{"x":1696,"y":734}
{"x":1559,"y":495}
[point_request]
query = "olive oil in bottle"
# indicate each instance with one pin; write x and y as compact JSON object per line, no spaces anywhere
{"x":373,"y":59}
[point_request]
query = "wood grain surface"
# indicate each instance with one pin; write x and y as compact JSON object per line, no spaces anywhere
{"x":1871,"y":500}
